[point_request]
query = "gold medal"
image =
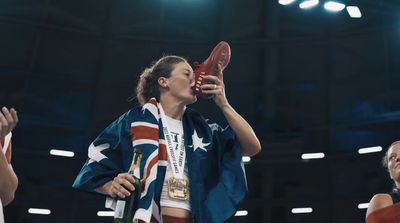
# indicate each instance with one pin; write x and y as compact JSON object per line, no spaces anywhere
{"x":178,"y":188}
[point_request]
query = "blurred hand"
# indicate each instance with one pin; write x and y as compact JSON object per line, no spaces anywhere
{"x":121,"y":186}
{"x":216,"y":88}
{"x":8,"y":121}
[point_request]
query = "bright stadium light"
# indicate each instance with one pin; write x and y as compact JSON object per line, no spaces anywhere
{"x":354,"y":11}
{"x":57,"y":152}
{"x":246,"y":159}
{"x":363,"y":206}
{"x":306,"y":156}
{"x":105,"y":213}
{"x":241,"y":213}
{"x":39,"y":211}
{"x":334,"y":6}
{"x":301,"y":210}
{"x":370,"y":150}
{"x":308,"y":4}
{"x":286,"y":2}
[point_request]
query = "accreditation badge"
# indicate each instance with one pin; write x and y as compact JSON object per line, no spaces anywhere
{"x":178,"y":188}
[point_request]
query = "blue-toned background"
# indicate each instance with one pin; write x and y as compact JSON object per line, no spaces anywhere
{"x":306,"y":80}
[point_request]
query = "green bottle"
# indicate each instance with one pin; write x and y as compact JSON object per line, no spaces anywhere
{"x":126,"y":207}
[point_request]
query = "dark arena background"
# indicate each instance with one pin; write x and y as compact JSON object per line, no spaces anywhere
{"x":307,"y":80}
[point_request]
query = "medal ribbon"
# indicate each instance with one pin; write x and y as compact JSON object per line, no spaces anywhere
{"x":176,"y":157}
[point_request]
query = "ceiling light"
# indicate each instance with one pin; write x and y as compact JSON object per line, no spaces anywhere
{"x":306,"y":156}
{"x":246,"y":159}
{"x":373,"y":149}
{"x":308,"y":4}
{"x":286,"y":2}
{"x":363,"y":205}
{"x":354,"y":11}
{"x":241,"y":213}
{"x":302,"y":210}
{"x":334,"y":6}
{"x":105,"y":213}
{"x":39,"y":211}
{"x":56,"y":152}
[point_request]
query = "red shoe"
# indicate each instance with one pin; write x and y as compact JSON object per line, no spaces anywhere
{"x":220,"y":54}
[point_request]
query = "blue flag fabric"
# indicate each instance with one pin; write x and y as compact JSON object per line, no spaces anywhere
{"x":217,"y":180}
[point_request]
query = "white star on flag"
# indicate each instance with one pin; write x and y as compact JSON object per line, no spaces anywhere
{"x":95,"y":154}
{"x":198,"y":142}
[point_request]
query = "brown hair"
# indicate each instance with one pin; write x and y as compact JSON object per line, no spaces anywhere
{"x":147,"y":86}
{"x":385,"y":157}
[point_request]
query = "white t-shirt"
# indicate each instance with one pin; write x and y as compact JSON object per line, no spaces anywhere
{"x":176,"y":129}
{"x":5,"y":147}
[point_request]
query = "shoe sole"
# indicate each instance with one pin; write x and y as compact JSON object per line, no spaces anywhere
{"x":220,"y":54}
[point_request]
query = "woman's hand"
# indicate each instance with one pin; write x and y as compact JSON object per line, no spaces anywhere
{"x":8,"y":120}
{"x":216,"y":88}
{"x":121,"y":186}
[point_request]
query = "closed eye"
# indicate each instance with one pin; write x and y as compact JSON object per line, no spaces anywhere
{"x":188,"y":72}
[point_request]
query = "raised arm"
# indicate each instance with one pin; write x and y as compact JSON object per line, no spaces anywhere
{"x":245,"y":133}
{"x":8,"y":179}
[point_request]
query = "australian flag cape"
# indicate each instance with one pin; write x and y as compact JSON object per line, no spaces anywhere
{"x":217,"y":180}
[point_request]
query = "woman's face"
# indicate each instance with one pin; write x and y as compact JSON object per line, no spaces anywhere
{"x":180,"y":83}
{"x":393,"y":156}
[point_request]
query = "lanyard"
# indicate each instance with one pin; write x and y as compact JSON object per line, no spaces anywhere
{"x":176,"y":156}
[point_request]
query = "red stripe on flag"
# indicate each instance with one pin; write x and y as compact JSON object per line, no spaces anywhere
{"x":144,"y":132}
{"x":153,"y":101}
{"x":162,"y":152}
{"x":148,"y":168}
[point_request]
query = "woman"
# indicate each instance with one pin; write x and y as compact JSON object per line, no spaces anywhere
{"x":8,"y":179}
{"x":391,"y":161}
{"x":190,"y":170}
